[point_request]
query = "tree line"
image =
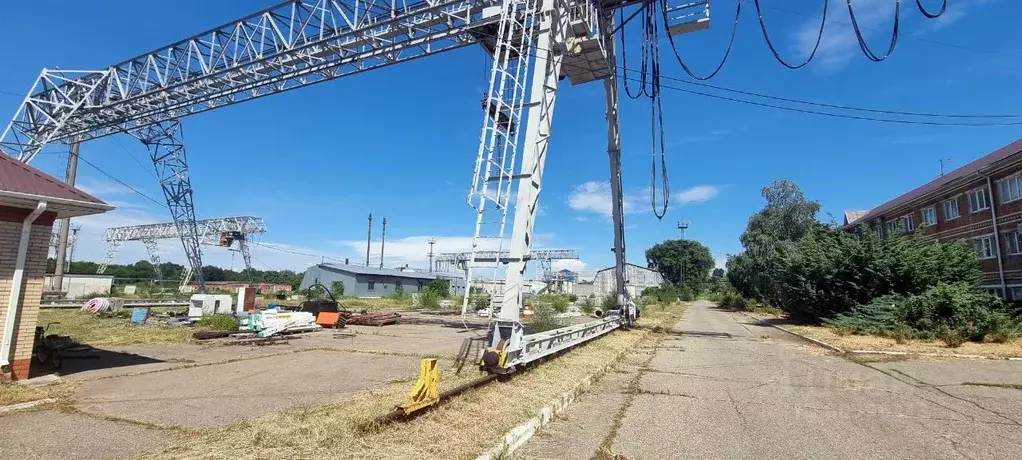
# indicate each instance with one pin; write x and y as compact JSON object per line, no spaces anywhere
{"x":143,"y":270}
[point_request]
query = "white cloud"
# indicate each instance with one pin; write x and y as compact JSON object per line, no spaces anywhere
{"x":595,"y":197}
{"x":839,"y":44}
{"x":697,"y":194}
{"x":574,"y":265}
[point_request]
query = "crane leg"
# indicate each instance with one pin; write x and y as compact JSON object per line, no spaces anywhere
{"x":154,"y":256}
{"x":247,"y":255}
{"x":165,"y":141}
{"x":111,"y":251}
{"x":623,"y":303}
{"x":506,"y":337}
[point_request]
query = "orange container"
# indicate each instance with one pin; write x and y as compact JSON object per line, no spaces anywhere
{"x":527,"y":311}
{"x":328,"y":318}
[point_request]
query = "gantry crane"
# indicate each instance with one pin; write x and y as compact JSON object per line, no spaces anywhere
{"x":223,"y":232}
{"x":534,"y":43}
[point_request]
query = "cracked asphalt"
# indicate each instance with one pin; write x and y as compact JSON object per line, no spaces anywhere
{"x":718,"y":385}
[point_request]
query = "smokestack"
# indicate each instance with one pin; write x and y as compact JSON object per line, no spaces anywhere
{"x":383,"y":241}
{"x":369,"y":238}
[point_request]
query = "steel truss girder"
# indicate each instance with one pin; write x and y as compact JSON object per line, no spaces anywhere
{"x":291,"y":45}
{"x":154,"y":256}
{"x":165,"y":142}
{"x":209,"y":229}
{"x":492,"y":256}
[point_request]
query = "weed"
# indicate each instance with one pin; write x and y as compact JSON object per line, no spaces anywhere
{"x":219,"y":322}
{"x":953,"y":338}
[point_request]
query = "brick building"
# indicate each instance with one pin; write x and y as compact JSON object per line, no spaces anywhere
{"x":980,"y":203}
{"x":30,"y":201}
{"x":261,"y":287}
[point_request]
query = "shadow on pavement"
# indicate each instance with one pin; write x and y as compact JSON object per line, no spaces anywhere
{"x":73,"y":362}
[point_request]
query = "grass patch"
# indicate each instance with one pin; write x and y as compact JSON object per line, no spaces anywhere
{"x":107,"y":331}
{"x":382,"y":303}
{"x":851,"y":340}
{"x":14,"y":393}
{"x":461,"y":428}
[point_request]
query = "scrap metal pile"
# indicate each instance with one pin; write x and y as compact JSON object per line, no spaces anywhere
{"x":373,"y":319}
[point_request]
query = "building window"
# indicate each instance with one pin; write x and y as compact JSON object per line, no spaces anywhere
{"x":984,"y":247}
{"x":1009,"y":189}
{"x":892,"y":227}
{"x":372,"y":285}
{"x":397,"y":284}
{"x":929,"y":216}
{"x":1011,"y":243}
{"x":951,"y":209}
{"x":979,"y":200}
{"x":907,"y":223}
{"x":1014,"y":293}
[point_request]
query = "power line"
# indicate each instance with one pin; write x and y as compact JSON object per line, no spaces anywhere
{"x":111,"y":176}
{"x":290,"y":251}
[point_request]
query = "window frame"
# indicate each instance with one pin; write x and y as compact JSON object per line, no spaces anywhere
{"x":1017,"y":178}
{"x":922,"y":216}
{"x":989,"y":247}
{"x":1009,"y":236}
{"x":944,"y":208}
{"x":981,"y":192}
{"x":907,"y":223}
{"x":1011,"y":292}
{"x":371,"y":285}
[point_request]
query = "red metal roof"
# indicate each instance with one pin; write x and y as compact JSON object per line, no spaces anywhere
{"x":936,"y":184}
{"x":19,"y":177}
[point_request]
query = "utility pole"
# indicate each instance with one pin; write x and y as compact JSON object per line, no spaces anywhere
{"x":72,"y":171}
{"x":369,"y":238}
{"x":383,"y":241}
{"x":682,"y":226}
{"x":431,"y":242}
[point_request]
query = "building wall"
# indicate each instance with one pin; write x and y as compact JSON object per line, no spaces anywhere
{"x":637,"y":279}
{"x":32,"y":287}
{"x":359,"y":284}
{"x":80,"y":286}
{"x":971,"y":225}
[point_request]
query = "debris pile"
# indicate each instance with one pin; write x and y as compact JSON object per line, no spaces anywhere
{"x":266,"y":323}
{"x":373,"y":319}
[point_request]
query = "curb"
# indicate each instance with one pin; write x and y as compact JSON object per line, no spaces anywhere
{"x":796,"y":334}
{"x":934,"y":355}
{"x":26,"y":405}
{"x":516,"y":437}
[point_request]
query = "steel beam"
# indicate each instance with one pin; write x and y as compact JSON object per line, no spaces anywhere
{"x":165,"y":142}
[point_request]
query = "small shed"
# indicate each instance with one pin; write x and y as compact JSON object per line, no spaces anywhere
{"x":30,"y":201}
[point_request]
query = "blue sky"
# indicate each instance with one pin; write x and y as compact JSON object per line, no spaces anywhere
{"x":400,"y":142}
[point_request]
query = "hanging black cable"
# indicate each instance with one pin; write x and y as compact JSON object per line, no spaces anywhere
{"x":922,"y":9}
{"x":730,"y":45}
{"x":624,"y":55}
{"x":770,"y":44}
{"x":862,"y":41}
{"x":657,"y":117}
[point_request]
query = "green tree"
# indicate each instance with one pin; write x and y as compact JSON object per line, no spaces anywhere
{"x":441,"y":286}
{"x":681,"y":262}
{"x":337,"y":288}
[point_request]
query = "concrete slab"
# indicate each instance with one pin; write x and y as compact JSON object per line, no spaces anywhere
{"x":221,"y":394}
{"x":724,"y":388}
{"x":47,"y":435}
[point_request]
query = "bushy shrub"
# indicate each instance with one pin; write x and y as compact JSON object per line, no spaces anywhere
{"x":429,"y":299}
{"x":588,"y":305}
{"x":544,"y":318}
{"x":685,"y":294}
{"x":441,"y":286}
{"x":609,"y":302}
{"x":480,"y":301}
{"x":948,"y":311}
{"x":560,"y":303}
{"x":399,"y":293}
{"x":219,"y":322}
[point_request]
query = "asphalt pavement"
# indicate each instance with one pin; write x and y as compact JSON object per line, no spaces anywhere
{"x":720,"y":385}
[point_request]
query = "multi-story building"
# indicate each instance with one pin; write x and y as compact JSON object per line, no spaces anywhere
{"x":980,"y":203}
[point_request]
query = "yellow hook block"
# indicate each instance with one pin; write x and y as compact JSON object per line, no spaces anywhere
{"x":424,"y":394}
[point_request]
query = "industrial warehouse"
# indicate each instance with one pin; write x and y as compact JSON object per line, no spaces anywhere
{"x":376,"y":242}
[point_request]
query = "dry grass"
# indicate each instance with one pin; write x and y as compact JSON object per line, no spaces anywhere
{"x":382,"y":303}
{"x":461,"y":428}
{"x":107,"y":331}
{"x":868,"y":342}
{"x":14,"y":393}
